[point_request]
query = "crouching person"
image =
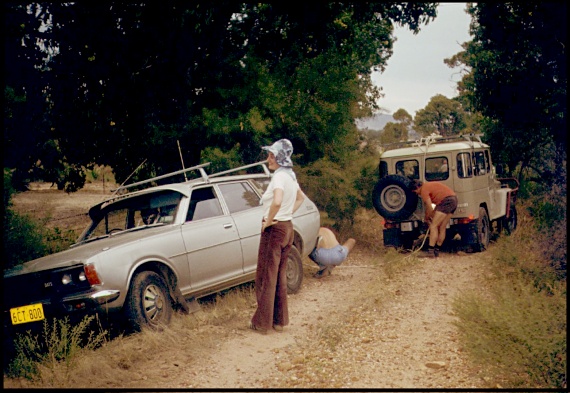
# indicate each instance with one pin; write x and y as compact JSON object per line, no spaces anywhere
{"x":328,"y":252}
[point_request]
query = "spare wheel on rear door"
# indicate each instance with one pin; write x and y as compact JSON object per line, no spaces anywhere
{"x":393,"y":198}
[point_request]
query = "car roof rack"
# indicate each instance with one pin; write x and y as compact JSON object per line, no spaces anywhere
{"x":435,"y":138}
{"x":200,"y":169}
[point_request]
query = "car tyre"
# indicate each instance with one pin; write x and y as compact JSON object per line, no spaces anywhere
{"x":483,"y":230}
{"x":294,"y":271}
{"x":393,"y":197}
{"x":510,"y":224}
{"x":148,"y":302}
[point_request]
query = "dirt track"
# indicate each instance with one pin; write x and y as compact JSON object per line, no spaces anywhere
{"x":365,"y":326}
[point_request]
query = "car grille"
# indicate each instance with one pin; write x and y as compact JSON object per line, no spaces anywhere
{"x":34,"y":287}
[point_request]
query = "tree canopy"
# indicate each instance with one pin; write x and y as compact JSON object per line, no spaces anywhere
{"x":121,"y":83}
{"x":517,"y":79}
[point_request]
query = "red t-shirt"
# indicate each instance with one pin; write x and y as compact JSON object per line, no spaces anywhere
{"x":436,"y":191}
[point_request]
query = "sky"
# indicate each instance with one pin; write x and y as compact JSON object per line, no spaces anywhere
{"x":416,"y":71}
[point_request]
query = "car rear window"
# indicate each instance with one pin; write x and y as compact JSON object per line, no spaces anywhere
{"x":239,"y":196}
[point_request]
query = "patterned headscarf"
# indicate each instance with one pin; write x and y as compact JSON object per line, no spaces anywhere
{"x":282,"y":150}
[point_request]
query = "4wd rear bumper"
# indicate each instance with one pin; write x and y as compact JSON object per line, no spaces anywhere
{"x":394,"y":236}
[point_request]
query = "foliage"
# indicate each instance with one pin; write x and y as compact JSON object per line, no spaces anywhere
{"x":441,"y":115}
{"x":339,"y":189}
{"x":514,"y":42}
{"x":520,"y":332}
{"x":114,"y":83}
{"x":394,"y":132}
{"x":37,"y":356}
{"x":22,"y":236}
{"x":25,"y":237}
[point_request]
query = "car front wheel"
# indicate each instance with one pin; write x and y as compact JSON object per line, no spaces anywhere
{"x":148,"y":302}
{"x":294,"y":271}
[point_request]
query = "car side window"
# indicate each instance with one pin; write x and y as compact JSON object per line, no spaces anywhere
{"x":239,"y":196}
{"x":437,"y":168}
{"x":464,"y":166}
{"x":203,"y":204}
{"x":480,"y":167}
{"x":408,"y":168}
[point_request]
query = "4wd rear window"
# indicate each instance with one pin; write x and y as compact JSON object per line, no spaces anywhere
{"x":436,"y":169}
{"x":408,"y":168}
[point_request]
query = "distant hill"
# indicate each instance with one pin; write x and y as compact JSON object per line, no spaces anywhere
{"x":375,"y":122}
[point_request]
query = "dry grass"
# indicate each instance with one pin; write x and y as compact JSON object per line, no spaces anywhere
{"x":518,"y":330}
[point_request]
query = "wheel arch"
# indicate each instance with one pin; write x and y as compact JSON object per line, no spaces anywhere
{"x":163,"y":270}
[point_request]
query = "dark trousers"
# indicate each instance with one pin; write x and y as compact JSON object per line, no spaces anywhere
{"x":271,"y":276}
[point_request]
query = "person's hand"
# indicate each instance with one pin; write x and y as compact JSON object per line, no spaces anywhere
{"x":265,"y":224}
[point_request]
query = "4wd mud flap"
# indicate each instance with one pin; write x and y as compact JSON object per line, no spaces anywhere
{"x":393,"y":237}
{"x":468,"y":232}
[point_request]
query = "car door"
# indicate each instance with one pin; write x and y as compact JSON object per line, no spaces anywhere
{"x":243,"y":203}
{"x":211,"y":240}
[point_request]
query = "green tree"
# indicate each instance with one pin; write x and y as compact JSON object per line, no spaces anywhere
{"x":517,"y":79}
{"x":115,"y":83}
{"x":442,"y":115}
{"x":394,"y":132}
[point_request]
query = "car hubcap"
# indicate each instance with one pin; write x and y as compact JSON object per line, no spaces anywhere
{"x":393,"y":198}
{"x":153,"y":302}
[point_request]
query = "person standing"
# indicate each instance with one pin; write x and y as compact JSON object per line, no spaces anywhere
{"x":445,"y":202}
{"x":281,"y":199}
{"x":328,"y":252}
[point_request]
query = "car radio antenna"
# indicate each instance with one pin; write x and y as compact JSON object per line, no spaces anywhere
{"x":181,"y":159}
{"x":128,"y":177}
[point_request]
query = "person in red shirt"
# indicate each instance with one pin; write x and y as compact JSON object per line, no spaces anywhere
{"x":445,"y":202}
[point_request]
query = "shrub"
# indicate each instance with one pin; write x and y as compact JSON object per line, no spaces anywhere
{"x":520,"y":331}
{"x":60,"y":343}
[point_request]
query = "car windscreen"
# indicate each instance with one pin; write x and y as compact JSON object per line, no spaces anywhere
{"x":136,"y":212}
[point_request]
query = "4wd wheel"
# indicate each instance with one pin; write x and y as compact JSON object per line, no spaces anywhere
{"x":393,"y":198}
{"x":148,"y":302}
{"x":294,"y":271}
{"x":510,"y":224}
{"x":483,"y":230}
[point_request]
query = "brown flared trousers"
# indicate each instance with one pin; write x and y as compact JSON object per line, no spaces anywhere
{"x":271,"y":276}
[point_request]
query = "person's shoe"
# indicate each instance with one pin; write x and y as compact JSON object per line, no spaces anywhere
{"x":326,"y":271}
{"x":436,"y":252}
{"x":257,"y":329}
{"x":278,"y":328}
{"x":430,"y":253}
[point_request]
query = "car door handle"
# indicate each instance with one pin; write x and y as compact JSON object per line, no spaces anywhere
{"x":228,"y":225}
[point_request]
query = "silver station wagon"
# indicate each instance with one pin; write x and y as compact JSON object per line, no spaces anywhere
{"x":148,"y":252}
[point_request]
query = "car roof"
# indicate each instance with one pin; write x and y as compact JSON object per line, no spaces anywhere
{"x":430,"y":149}
{"x":185,"y":187}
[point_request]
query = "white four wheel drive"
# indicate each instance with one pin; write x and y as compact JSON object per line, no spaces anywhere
{"x":486,"y":203}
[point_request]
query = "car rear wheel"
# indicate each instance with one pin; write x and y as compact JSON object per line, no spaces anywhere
{"x":483,"y":230}
{"x":294,"y":271}
{"x":510,"y":223}
{"x":393,"y":198}
{"x":148,"y":302}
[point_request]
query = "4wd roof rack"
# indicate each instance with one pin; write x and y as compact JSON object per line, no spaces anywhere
{"x":200,"y":169}
{"x":435,"y":138}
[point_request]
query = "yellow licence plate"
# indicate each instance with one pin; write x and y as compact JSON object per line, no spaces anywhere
{"x":25,"y":314}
